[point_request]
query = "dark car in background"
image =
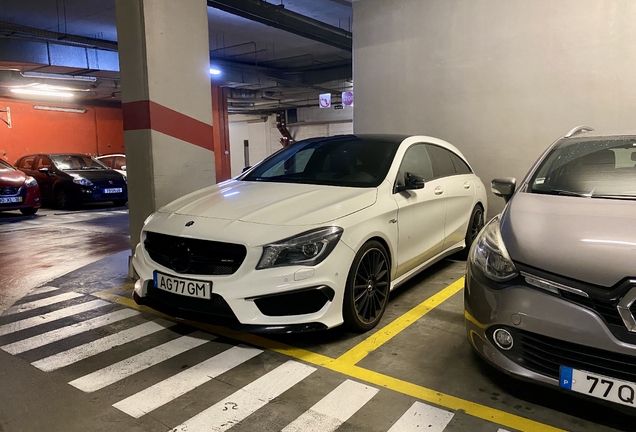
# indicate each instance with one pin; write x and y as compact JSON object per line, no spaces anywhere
{"x":18,"y":191}
{"x":551,"y":285}
{"x":66,"y":180}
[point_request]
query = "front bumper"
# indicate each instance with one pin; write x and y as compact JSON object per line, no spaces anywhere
{"x":549,"y":331}
{"x":30,"y":199}
{"x":247,"y":299}
{"x":96,"y":194}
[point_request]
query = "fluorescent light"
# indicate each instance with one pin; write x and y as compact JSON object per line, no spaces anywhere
{"x":59,"y":76}
{"x":34,"y":92}
{"x":61,"y":109}
{"x":214,"y":71}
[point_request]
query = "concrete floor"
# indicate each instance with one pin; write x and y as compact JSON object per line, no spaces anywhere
{"x":86,"y":253}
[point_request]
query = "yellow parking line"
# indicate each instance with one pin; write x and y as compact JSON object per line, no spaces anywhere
{"x":499,"y":417}
{"x":388,"y":332}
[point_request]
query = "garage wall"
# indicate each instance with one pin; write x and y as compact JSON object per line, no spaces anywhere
{"x":98,"y":131}
{"x":499,"y":79}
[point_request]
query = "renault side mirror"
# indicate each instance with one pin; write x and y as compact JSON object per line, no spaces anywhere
{"x":246,"y":168}
{"x":504,"y":187}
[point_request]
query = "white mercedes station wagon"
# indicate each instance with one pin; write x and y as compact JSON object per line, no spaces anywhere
{"x":312,"y":237}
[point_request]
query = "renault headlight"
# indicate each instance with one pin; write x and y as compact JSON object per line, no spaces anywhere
{"x":30,"y":182}
{"x":489,"y":254}
{"x":82,"y":181}
{"x":308,"y":248}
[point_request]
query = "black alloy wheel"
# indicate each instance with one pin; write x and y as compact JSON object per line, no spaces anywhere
{"x":63,"y":199}
{"x":367,"y":290}
{"x":475,"y":225}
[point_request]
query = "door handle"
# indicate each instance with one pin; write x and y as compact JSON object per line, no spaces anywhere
{"x":439,"y":190}
{"x":466,"y":185}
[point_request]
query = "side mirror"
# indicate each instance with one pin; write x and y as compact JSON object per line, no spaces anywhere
{"x":504,"y":187}
{"x":44,"y":171}
{"x":246,"y":168}
{"x":411,"y":181}
{"x":123,"y":167}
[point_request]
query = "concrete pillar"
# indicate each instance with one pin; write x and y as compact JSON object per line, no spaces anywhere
{"x":221,"y":134}
{"x":166,"y":102}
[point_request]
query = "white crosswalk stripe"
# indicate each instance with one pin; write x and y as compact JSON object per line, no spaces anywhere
{"x":30,"y":222}
{"x":68,"y":331}
{"x":51,"y":316}
{"x":120,"y":370}
{"x":334,"y":409}
{"x":42,"y":290}
{"x":41,"y":303}
{"x":169,"y":389}
{"x":422,"y":417}
{"x":90,"y":349}
{"x":240,"y":405}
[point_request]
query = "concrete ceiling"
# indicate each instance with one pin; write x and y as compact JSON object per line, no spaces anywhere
{"x":259,"y":60}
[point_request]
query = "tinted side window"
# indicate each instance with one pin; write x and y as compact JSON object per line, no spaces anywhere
{"x":417,"y":161}
{"x":43,"y":162}
{"x":442,"y":163}
{"x":108,"y":161}
{"x":460,"y":166}
{"x":119,"y":162}
{"x":27,"y":162}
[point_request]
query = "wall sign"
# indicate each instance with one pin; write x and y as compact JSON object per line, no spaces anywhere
{"x":325,"y":100}
{"x":347,"y":98}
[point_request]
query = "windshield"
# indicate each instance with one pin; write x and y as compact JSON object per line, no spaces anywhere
{"x":342,"y":161}
{"x":4,"y":166}
{"x":596,"y":168}
{"x":77,"y":162}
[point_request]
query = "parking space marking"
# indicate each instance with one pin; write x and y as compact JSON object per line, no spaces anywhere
{"x":169,"y":389}
{"x":330,"y":412}
{"x":42,"y":290}
{"x":499,"y":417}
{"x":244,"y":402}
{"x":130,"y":366}
{"x":66,"y":332}
{"x":51,"y":316}
{"x":422,"y":417}
{"x":90,"y":349}
{"x":41,"y":303}
{"x":388,"y":332}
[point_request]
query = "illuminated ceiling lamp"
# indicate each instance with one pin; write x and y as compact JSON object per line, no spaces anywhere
{"x":36,"y":92}
{"x":81,"y":78}
{"x":215,"y":71}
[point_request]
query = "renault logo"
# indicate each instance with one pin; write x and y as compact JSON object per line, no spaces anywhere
{"x":190,"y":223}
{"x":624,"y":309}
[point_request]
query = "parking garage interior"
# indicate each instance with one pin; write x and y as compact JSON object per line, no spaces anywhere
{"x":193,"y":96}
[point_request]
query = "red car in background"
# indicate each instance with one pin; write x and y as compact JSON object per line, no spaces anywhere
{"x":18,"y":191}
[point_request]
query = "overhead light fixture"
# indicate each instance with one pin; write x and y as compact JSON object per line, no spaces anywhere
{"x":34,"y":92}
{"x":81,"y":78}
{"x":61,"y":109}
{"x":215,"y":71}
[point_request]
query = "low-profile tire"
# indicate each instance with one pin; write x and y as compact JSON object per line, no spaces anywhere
{"x":367,"y":290}
{"x":29,"y":211}
{"x":63,"y":199}
{"x":120,"y":203}
{"x":475,"y":224}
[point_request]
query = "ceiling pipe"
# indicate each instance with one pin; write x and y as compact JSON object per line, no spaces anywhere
{"x":13,"y":30}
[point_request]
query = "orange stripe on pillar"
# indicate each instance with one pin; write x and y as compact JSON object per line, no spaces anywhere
{"x":147,"y":114}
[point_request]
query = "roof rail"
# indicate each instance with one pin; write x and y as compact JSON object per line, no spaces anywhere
{"x":578,"y":129}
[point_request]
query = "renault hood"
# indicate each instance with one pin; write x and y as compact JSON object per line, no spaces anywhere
{"x":587,"y":239}
{"x":271,"y":203}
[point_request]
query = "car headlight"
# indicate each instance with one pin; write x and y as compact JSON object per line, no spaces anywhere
{"x":308,"y":248}
{"x":489,"y":254}
{"x":30,"y":182}
{"x":82,"y":181}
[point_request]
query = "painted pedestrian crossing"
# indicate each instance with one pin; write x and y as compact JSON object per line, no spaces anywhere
{"x":42,"y":302}
{"x":337,"y":404}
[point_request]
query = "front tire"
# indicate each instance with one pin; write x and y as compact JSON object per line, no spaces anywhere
{"x":29,"y":211}
{"x":120,"y":202}
{"x":63,"y":199}
{"x":475,"y":225}
{"x":367,"y":290}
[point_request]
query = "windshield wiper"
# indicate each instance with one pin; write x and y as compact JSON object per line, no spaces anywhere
{"x":561,"y":192}
{"x":624,"y":197}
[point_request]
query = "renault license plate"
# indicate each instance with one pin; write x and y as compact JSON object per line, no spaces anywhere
{"x":598,"y":386}
{"x":113,"y":190}
{"x":184,"y":287}
{"x":11,"y":200}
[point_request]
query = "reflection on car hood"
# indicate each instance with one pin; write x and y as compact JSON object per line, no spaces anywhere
{"x":588,"y":239}
{"x":9,"y":179}
{"x":97,"y":175}
{"x":273,"y":203}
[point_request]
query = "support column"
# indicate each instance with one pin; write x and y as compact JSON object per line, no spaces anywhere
{"x":166,"y":102}
{"x":221,"y":134}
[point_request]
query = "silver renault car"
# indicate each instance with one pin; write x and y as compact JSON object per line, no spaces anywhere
{"x":551,"y":282}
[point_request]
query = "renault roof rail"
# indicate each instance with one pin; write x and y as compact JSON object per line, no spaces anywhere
{"x":578,"y":129}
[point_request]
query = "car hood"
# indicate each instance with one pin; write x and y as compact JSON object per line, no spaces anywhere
{"x":588,"y":239}
{"x":12,"y":179}
{"x":97,"y":175}
{"x":273,"y":203}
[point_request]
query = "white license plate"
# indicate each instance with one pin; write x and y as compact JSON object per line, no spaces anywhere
{"x":184,"y":287}
{"x":598,"y":386}
{"x":113,"y":190}
{"x":11,"y":200}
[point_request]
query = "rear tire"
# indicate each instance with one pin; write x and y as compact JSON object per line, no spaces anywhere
{"x":367,"y":290}
{"x":120,"y":203}
{"x":29,"y":211}
{"x":63,"y":199}
{"x":475,"y":225}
